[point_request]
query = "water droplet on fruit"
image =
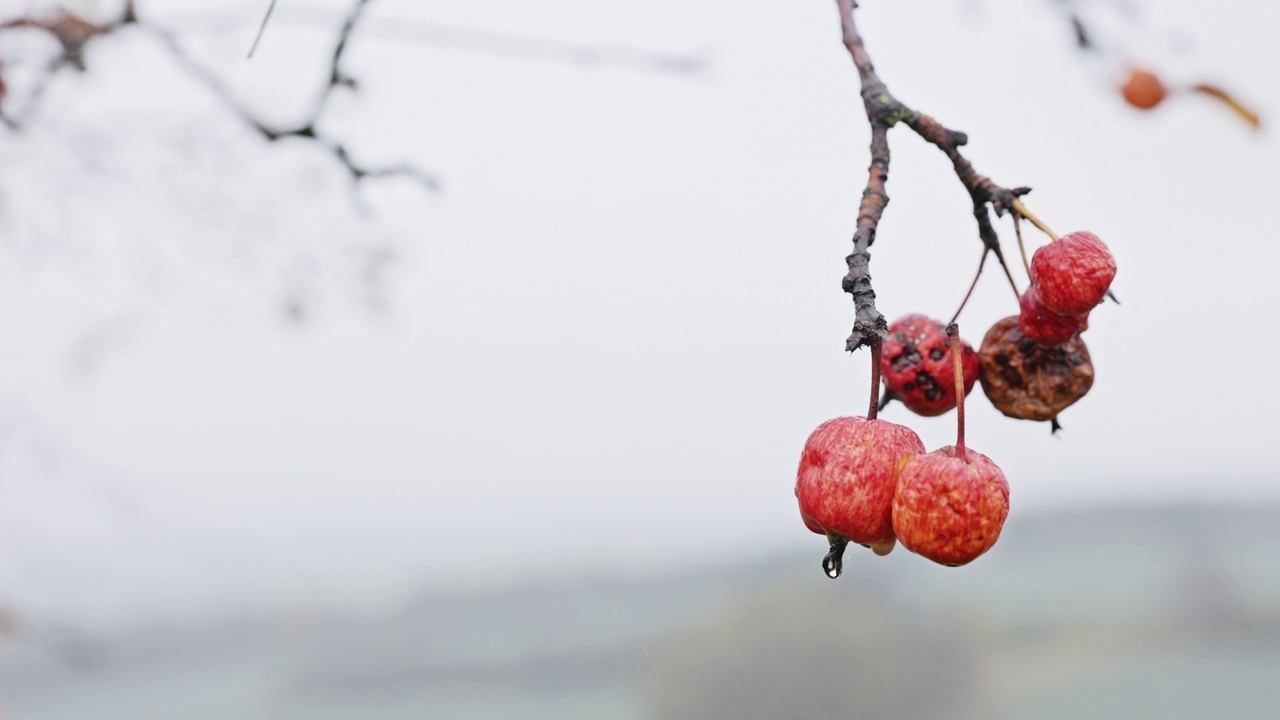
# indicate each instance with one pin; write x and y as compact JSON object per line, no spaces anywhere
{"x":833,"y":562}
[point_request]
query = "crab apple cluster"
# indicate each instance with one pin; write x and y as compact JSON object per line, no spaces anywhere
{"x":870,"y":482}
{"x":917,"y":367}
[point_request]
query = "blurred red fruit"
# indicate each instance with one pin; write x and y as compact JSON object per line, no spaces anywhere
{"x":1143,"y":89}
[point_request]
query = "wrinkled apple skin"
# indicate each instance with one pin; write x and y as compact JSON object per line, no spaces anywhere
{"x":1073,"y":273}
{"x":1045,"y":327}
{"x":847,"y":478}
{"x":1026,"y":381}
{"x":916,"y":364}
{"x":948,"y":509}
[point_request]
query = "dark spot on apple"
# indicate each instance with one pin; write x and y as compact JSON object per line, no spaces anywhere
{"x":909,"y":358}
{"x":1002,"y":360}
{"x":1012,"y":378}
{"x":937,"y":354}
{"x":909,"y":386}
{"x":933,"y":391}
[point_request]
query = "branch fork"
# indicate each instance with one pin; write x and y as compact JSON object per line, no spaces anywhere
{"x":884,"y":111}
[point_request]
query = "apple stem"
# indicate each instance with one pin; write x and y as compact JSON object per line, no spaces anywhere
{"x":981,"y":263}
{"x":875,"y":379}
{"x":833,"y":562}
{"x":1022,"y":210}
{"x":1017,"y":230}
{"x":953,"y":336}
{"x":1013,"y":285}
{"x":887,"y":398}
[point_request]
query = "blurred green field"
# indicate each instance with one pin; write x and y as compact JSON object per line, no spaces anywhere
{"x":1097,"y":613}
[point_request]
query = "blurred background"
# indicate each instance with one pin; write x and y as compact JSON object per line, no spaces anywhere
{"x":514,"y":434}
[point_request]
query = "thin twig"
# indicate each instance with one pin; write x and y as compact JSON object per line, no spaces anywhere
{"x":875,"y":379}
{"x":953,"y":338}
{"x":972,"y":285}
{"x":261,"y":29}
{"x":1022,"y":210}
{"x":531,"y":47}
{"x":1017,"y":230}
{"x":1008,"y":275}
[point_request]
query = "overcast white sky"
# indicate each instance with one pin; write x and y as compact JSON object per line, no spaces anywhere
{"x":604,"y":343}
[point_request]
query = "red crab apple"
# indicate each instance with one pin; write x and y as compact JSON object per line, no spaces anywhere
{"x":846,"y":482}
{"x":916,"y":361}
{"x":1073,"y":273}
{"x":1045,"y":327}
{"x":950,"y":504}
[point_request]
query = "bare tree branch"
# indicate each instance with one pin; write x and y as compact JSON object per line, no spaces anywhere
{"x":73,"y":33}
{"x":883,"y":112}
